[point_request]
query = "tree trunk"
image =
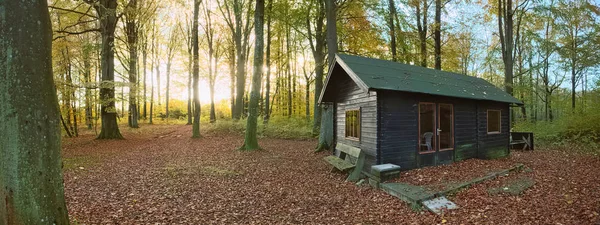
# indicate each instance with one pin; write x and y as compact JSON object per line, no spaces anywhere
{"x":251,"y":141}
{"x":157,"y":74}
{"x":168,"y":87}
{"x":241,"y":62}
{"x":190,"y":72}
{"x":422,"y":29}
{"x":267,"y":112}
{"x":196,"y":125}
{"x":437,"y":35}
{"x":307,"y":100}
{"x":31,"y":181}
{"x":153,"y":51}
{"x":132,"y":44}
{"x":144,"y":56}
{"x":88,"y":93}
{"x":319,"y":56}
{"x":505,"y":16}
{"x":232,"y":80}
{"x":573,"y":86}
{"x":108,"y":22}
{"x":392,"y":9}
{"x":325,"y":135}
{"x":288,"y":71}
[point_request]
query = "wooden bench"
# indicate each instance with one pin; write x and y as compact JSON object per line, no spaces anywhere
{"x":344,"y":163}
{"x":521,"y":138}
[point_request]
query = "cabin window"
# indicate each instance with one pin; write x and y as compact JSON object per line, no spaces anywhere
{"x":353,"y":124}
{"x":493,"y":121}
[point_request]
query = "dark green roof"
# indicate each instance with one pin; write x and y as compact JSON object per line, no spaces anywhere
{"x":388,"y":75}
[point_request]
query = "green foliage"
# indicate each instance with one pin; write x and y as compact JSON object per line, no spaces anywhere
{"x":278,"y":127}
{"x":578,"y":131}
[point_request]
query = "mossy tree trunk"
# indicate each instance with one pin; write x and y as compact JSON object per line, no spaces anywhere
{"x":326,"y":135}
{"x":108,"y":22}
{"x":326,"y":132}
{"x":31,"y":182}
{"x":196,"y":125}
{"x":251,"y":141}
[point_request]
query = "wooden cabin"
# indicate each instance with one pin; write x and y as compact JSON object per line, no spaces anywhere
{"x":413,"y":116}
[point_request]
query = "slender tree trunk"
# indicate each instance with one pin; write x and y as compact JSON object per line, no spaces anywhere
{"x":288,"y":70}
{"x":168,"y":87}
{"x":190,"y":75}
{"x":132,"y":39}
{"x":392,"y":9}
{"x":108,"y":22}
{"x":31,"y":181}
{"x":144,"y":56}
{"x":232,"y":81}
{"x":88,"y":94}
{"x":267,"y":112}
{"x":157,"y":74}
{"x":573,"y":85}
{"x":319,"y":56}
{"x":196,"y":125}
{"x":437,"y":35}
{"x":154,"y":53}
{"x":307,"y":100}
{"x":75,"y":126}
{"x":422,"y":29}
{"x":241,"y":62}
{"x":251,"y":141}
{"x":505,"y":26}
{"x":68,"y":91}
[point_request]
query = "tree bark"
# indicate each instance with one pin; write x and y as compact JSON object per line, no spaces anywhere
{"x":88,"y":94}
{"x":132,"y":43}
{"x":196,"y":125}
{"x":232,"y":80}
{"x":144,"y":57}
{"x":31,"y":181}
{"x":251,"y":141}
{"x":267,"y":113}
{"x":190,"y":75}
{"x":505,"y":28}
{"x":437,"y":35}
{"x":392,"y":9}
{"x":318,"y":50}
{"x":422,"y":29}
{"x":324,"y":136}
{"x":108,"y":21}
{"x":241,"y":62}
{"x":154,"y":53}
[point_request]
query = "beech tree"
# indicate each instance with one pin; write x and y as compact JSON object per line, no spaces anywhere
{"x":31,"y":183}
{"x":196,"y":71}
{"x":251,"y":141}
{"x":107,"y":13}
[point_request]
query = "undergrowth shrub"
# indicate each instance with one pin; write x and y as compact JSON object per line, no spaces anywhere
{"x":578,"y":131}
{"x":278,"y":127}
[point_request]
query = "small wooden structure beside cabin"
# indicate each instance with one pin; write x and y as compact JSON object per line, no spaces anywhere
{"x":413,"y":116}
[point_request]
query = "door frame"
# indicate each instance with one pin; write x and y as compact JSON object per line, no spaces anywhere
{"x":438,"y":116}
{"x":426,"y":158}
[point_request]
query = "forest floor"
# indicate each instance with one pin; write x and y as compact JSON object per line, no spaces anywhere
{"x":160,"y":175}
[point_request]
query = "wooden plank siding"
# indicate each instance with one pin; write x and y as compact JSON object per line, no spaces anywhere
{"x":389,"y":124}
{"x":493,"y":146}
{"x":398,"y":140}
{"x":349,"y":96}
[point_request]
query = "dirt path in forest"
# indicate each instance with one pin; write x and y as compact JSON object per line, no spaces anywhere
{"x":160,"y":175}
